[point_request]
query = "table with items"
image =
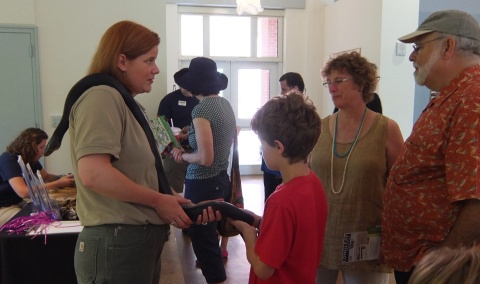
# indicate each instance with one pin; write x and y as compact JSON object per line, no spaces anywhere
{"x":44,"y":255}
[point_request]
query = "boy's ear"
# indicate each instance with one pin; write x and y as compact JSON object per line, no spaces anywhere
{"x":279,"y":146}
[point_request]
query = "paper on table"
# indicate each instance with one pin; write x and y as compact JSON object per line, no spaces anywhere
{"x":59,"y":227}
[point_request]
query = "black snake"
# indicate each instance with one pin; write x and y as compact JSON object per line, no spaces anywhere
{"x":192,"y":210}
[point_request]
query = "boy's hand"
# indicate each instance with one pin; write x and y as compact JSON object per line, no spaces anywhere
{"x":243,"y":227}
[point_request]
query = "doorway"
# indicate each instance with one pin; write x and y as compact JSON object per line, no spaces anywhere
{"x":19,"y":82}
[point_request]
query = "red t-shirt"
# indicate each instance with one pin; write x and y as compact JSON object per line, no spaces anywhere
{"x":293,"y":226}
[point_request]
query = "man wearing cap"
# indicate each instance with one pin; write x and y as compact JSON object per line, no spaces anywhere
{"x":433,"y":190}
{"x":177,"y":106}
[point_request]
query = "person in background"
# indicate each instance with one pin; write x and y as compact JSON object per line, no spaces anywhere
{"x":353,"y":157}
{"x":124,"y":211}
{"x":288,"y":244}
{"x":211,"y":136}
{"x":432,"y":198}
{"x":177,"y":106}
{"x":290,"y":81}
{"x":444,"y":265}
{"x":13,"y":189}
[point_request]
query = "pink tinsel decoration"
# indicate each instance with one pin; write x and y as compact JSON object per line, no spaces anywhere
{"x":24,"y":224}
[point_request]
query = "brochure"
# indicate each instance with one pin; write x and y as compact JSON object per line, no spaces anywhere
{"x":163,"y":133}
{"x":360,"y":246}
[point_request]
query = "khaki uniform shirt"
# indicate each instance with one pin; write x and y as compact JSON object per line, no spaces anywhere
{"x":101,"y":123}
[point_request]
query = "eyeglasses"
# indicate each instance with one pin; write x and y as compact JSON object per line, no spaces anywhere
{"x":335,"y":82}
{"x":416,"y":47}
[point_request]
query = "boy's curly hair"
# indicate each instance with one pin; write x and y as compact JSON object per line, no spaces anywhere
{"x":291,"y":119}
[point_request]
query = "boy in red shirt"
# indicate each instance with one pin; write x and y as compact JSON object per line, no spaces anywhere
{"x":288,"y":246}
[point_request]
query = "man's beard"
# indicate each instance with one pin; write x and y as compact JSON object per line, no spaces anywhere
{"x":423,"y":71}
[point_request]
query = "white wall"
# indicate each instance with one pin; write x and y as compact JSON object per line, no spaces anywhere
{"x":397,"y":85}
{"x":17,"y":12}
{"x":351,"y":24}
{"x":374,"y":26}
{"x":69,"y":32}
{"x":172,"y":45}
{"x":303,"y":46}
{"x":313,"y":44}
{"x":294,"y":41}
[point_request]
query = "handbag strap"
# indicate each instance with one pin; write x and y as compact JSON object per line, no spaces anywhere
{"x":236,"y":182}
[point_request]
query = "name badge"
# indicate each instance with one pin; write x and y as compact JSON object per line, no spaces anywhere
{"x":182,"y":103}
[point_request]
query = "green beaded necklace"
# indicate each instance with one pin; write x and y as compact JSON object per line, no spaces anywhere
{"x":354,"y":141}
{"x":347,"y":154}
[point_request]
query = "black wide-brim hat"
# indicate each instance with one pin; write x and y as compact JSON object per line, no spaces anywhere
{"x":201,"y":77}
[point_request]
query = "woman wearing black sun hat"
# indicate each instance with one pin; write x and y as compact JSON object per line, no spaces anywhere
{"x":211,"y":135}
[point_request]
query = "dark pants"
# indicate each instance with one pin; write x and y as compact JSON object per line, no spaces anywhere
{"x":402,"y":277}
{"x":205,"y":238}
{"x":270,"y":183}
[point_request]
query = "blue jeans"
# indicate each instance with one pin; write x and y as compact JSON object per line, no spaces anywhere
{"x":119,"y":253}
{"x":205,"y":238}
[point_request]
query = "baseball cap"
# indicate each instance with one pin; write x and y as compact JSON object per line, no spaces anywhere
{"x":452,"y":22}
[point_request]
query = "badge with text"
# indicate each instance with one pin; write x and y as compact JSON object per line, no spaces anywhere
{"x":360,"y":246}
{"x":182,"y":103}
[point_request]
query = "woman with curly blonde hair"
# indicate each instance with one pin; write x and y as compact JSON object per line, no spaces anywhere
{"x":353,"y":156}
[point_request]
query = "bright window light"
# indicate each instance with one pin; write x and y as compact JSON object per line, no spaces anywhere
{"x":230,"y":36}
{"x":251,"y":84}
{"x":191,"y":35}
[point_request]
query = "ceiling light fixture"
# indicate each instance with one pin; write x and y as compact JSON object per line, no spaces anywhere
{"x":251,"y":7}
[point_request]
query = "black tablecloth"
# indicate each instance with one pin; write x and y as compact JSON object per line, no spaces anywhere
{"x":25,"y":260}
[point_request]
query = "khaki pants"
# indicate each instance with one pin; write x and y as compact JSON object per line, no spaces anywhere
{"x":120,"y":254}
{"x":175,"y":173}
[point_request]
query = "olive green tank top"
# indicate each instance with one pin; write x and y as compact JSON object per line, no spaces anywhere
{"x":358,"y":206}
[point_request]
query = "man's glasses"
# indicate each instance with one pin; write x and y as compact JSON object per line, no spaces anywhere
{"x":335,"y":82}
{"x":416,"y":47}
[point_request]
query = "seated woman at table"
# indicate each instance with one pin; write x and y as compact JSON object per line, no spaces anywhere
{"x":13,"y":189}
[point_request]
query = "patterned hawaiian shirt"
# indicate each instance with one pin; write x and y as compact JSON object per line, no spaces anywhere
{"x":438,"y":166}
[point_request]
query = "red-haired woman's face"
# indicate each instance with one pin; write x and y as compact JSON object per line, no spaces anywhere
{"x":141,"y":71}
